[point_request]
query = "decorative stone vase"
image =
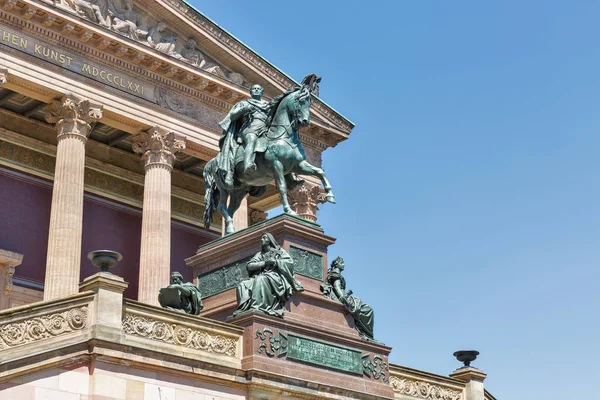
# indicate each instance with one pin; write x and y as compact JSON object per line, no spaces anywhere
{"x":466,"y":356}
{"x":104,"y":259}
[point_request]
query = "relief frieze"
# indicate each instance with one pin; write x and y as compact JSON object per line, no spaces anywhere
{"x":145,"y":90}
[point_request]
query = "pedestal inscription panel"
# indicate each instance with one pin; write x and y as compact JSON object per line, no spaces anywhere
{"x":324,"y":354}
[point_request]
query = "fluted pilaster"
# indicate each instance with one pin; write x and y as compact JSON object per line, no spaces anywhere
{"x":158,"y":147}
{"x":72,"y":116}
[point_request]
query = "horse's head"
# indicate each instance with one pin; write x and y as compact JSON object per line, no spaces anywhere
{"x":299,"y":110}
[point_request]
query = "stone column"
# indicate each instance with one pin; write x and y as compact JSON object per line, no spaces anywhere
{"x":305,"y":200}
{"x":474,"y":378}
{"x":72,"y":116}
{"x":158,"y":147}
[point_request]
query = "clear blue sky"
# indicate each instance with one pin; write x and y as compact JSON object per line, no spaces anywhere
{"x":468,"y":193}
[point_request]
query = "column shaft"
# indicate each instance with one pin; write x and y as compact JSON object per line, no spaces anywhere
{"x":72,"y":117}
{"x":158,"y":147}
{"x":66,"y":219}
{"x":155,"y":252}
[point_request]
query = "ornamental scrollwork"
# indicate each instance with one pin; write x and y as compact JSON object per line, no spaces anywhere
{"x":271,"y":344}
{"x":179,"y":335}
{"x":423,"y":390}
{"x":375,"y":368}
{"x":42,"y":327}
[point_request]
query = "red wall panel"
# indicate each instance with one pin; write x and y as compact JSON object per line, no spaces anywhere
{"x":25,"y":217}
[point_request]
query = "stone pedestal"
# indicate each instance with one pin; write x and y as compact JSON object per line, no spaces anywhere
{"x":280,"y":347}
{"x":315,"y":340}
{"x":474,"y":378}
{"x":72,"y":117}
{"x":158,"y":148}
{"x":220,"y":265}
{"x":107,"y":310}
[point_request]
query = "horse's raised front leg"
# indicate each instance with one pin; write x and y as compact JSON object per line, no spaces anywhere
{"x":306,"y":168}
{"x":282,"y":187}
{"x":227,"y":220}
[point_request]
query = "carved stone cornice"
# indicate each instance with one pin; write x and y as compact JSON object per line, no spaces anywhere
{"x":305,"y":200}
{"x":158,"y":147}
{"x":256,"y":61}
{"x":42,"y":327}
{"x":180,"y":335}
{"x":72,"y":116}
{"x":256,"y":216}
{"x":423,"y":390}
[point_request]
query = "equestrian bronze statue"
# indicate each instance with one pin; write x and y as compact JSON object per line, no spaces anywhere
{"x":260,"y":143}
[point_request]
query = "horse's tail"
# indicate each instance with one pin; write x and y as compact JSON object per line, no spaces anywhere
{"x":211,"y":194}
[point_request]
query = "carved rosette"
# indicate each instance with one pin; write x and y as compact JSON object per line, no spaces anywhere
{"x":305,"y":200}
{"x":423,"y":390}
{"x":73,"y":116}
{"x":3,"y":77}
{"x":43,"y":327}
{"x":158,"y":147}
{"x":179,"y":335}
{"x":256,"y":216}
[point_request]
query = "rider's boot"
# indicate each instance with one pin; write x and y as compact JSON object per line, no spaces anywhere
{"x":249,"y":165}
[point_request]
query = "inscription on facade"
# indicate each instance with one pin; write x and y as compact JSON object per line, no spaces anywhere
{"x":69,"y":61}
{"x":324,"y":354}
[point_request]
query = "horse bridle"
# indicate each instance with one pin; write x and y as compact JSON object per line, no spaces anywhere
{"x":296,"y":113}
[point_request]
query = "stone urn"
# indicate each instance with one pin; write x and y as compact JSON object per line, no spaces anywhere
{"x":466,"y":356}
{"x":104,"y":259}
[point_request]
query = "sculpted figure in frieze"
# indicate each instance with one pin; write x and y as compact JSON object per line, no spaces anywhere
{"x":162,"y":41}
{"x":334,"y":288}
{"x":260,"y":143}
{"x":94,"y":10}
{"x":126,"y":21}
{"x":180,"y":296}
{"x":195,"y":57}
{"x":271,"y":281}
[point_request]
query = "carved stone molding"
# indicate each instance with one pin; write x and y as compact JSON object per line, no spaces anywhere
{"x":8,"y":262}
{"x":256,"y":216}
{"x":180,"y":335}
{"x":305,"y":200}
{"x":158,"y":147}
{"x":3,"y":77}
{"x":423,"y":390}
{"x":42,"y":327}
{"x":73,"y":116}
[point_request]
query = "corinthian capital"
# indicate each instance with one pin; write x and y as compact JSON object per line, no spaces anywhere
{"x":3,"y":76}
{"x":305,"y":200}
{"x":73,"y":116}
{"x":158,"y":147}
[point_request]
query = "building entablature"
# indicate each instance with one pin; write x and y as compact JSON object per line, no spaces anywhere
{"x":163,"y":73}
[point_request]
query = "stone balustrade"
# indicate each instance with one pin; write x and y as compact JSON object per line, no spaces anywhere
{"x":410,"y":384}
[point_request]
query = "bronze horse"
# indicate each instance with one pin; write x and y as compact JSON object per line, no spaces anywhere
{"x":284,"y":155}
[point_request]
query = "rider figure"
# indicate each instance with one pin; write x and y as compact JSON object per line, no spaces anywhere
{"x":253,"y":114}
